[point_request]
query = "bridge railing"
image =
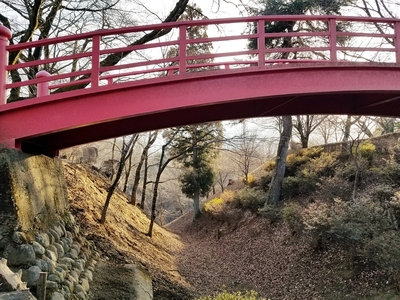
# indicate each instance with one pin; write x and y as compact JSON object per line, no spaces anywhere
{"x":108,"y":57}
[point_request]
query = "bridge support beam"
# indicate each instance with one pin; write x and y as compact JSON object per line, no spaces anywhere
{"x":5,"y":35}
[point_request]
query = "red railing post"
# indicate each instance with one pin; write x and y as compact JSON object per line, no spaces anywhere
{"x":397,"y":40}
{"x":261,"y":42}
{"x":5,"y":35}
{"x":333,"y":40}
{"x":42,"y":87}
{"x":182,"y":49}
{"x":95,"y":61}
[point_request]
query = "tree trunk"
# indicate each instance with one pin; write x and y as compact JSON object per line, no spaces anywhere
{"x":196,"y":205}
{"x":346,"y":134}
{"x":144,"y":187}
{"x":150,"y":142}
{"x":279,"y":173}
{"x":126,"y":151}
{"x":153,"y":205}
{"x":127,"y":173}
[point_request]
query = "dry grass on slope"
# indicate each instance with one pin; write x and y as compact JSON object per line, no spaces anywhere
{"x":123,"y":240}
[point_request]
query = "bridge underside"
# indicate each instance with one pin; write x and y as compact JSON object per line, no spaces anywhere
{"x":52,"y":123}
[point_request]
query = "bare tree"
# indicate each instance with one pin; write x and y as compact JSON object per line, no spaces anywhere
{"x":127,"y":149}
{"x":38,"y":19}
{"x":274,"y":191}
{"x":163,"y":163}
{"x":306,"y":125}
{"x":152,"y":136}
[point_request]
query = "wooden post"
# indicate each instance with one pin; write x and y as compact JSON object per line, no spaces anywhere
{"x":43,"y":87}
{"x":41,"y":286}
{"x":5,"y":35}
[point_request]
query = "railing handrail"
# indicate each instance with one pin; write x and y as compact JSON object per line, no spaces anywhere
{"x":182,"y":42}
{"x":141,"y":28}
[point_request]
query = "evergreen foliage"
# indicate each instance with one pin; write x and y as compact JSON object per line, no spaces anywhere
{"x":199,"y":147}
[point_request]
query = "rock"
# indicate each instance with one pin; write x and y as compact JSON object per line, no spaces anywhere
{"x":51,"y":286}
{"x":75,"y":275}
{"x":55,"y":278}
{"x":81,"y":296}
{"x":59,"y":230}
{"x":38,"y":248}
{"x":65,"y":289}
{"x":76,"y":247}
{"x":89,"y":275}
{"x":79,"y":265}
{"x":19,"y":295}
{"x":19,"y":237}
{"x":32,"y":275}
{"x":60,"y":250}
{"x":78,"y":289}
{"x":63,"y":266}
{"x":85,"y":284}
{"x":53,"y":248}
{"x":18,"y":255}
{"x":69,"y":284}
{"x":72,"y":254}
{"x":45,"y":264}
{"x":66,"y":261}
{"x":43,"y":239}
{"x":57,"y":296}
{"x":69,"y":235}
{"x":55,"y":235}
{"x":66,"y":243}
{"x":50,"y":254}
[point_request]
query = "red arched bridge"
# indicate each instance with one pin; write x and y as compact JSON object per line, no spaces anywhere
{"x":100,"y":84}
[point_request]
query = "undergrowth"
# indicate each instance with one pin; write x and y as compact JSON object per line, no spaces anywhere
{"x":318,"y":202}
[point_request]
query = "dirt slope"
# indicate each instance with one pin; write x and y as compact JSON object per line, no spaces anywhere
{"x":122,"y":239}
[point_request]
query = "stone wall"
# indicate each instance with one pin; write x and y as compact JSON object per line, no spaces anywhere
{"x":37,"y":231}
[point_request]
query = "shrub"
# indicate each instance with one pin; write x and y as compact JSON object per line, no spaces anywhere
{"x":394,"y":209}
{"x":334,"y":187}
{"x":295,"y":160}
{"x":264,"y":182}
{"x":249,"y":198}
{"x":348,"y":171}
{"x":218,"y":204}
{"x":213,"y":205}
{"x":248,"y":295}
{"x":367,"y":150}
{"x":292,"y":215}
{"x":271,"y":212}
{"x":393,"y":172}
{"x":323,"y":165}
{"x":251,"y":180}
{"x":301,"y":185}
{"x":270,"y":166}
{"x":348,"y":224}
{"x":384,"y":251}
{"x":382,"y":192}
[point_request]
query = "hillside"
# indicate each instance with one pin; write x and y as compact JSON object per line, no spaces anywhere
{"x":233,"y":247}
{"x":122,"y":239}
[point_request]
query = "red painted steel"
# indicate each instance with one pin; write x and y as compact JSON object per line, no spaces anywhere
{"x":134,"y":96}
{"x":5,"y":35}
